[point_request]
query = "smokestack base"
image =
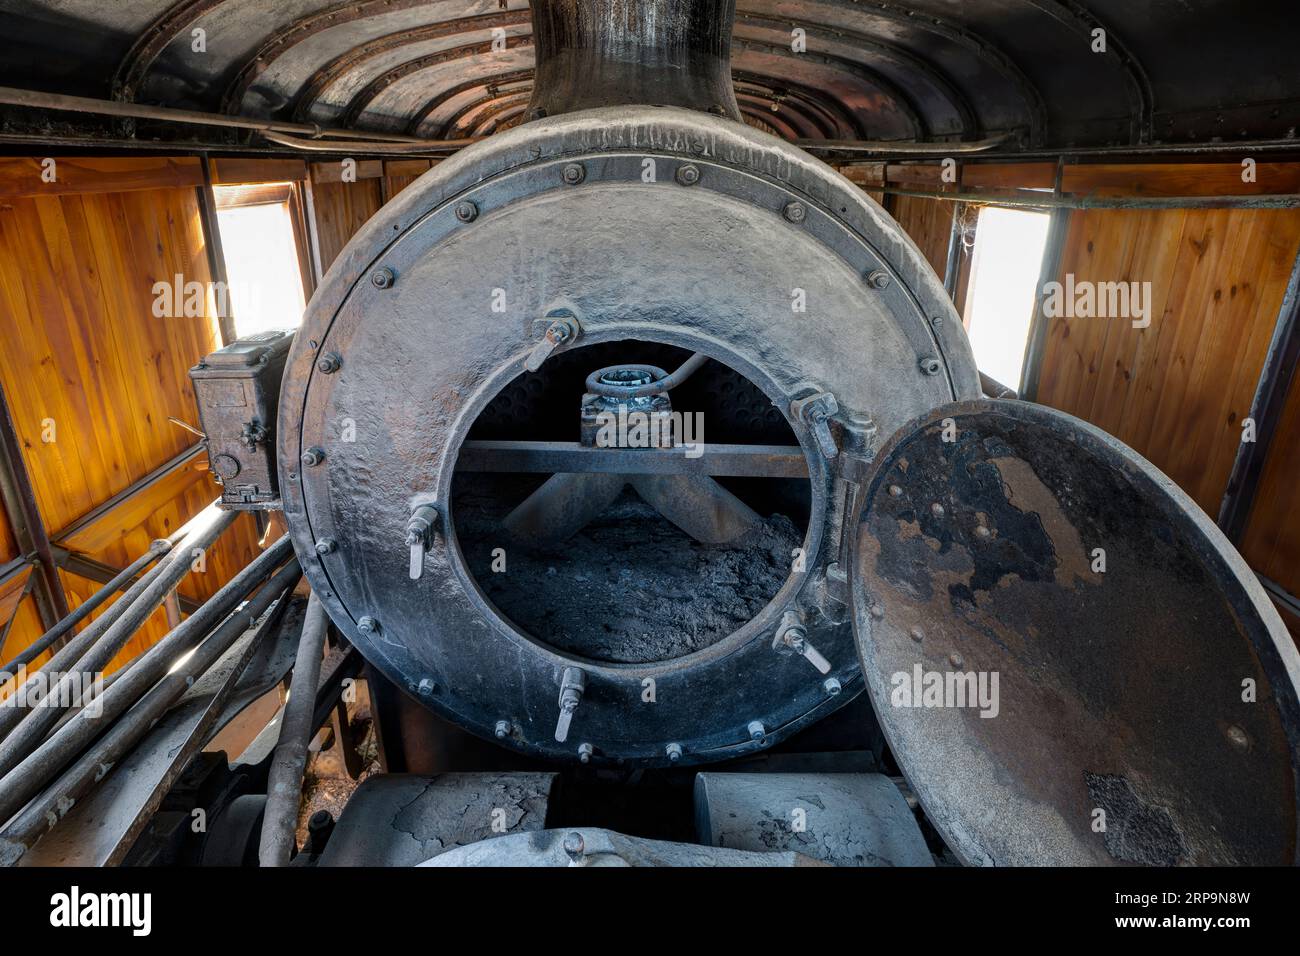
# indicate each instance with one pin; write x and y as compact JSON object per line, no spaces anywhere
{"x":594,"y":53}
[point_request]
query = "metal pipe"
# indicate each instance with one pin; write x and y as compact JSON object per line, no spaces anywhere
{"x":36,"y":768}
{"x":1048,"y":201}
{"x":48,"y":807}
{"x":35,"y":99}
{"x":992,"y":388}
{"x":284,"y":786}
{"x":72,"y":651}
{"x":83,"y":610}
{"x":887,"y":148}
{"x":626,"y":392}
{"x":39,"y":720}
{"x":68,"y":655}
{"x":417,"y":147}
{"x":942,"y":150}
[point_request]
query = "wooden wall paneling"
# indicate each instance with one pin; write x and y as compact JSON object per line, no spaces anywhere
{"x":1180,"y":179}
{"x":1175,"y":335}
{"x":1134,"y":382}
{"x":341,"y":210}
{"x":243,"y":170}
{"x":1037,"y":176}
{"x":82,"y":347}
{"x":929,"y":223}
{"x":1112,"y":262}
{"x":1176,"y":391}
{"x":1205,"y":314}
{"x":24,"y":175}
{"x":395,"y":184}
{"x":334,"y":171}
{"x":1239,"y":328}
{"x":1201,"y":367}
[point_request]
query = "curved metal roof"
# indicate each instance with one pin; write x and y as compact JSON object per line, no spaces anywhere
{"x":1173,"y":70}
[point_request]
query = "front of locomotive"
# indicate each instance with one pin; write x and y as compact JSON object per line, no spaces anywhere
{"x":452,"y":509}
{"x":634,"y":437}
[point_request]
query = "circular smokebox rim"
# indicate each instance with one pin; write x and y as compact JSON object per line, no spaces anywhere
{"x":758,"y":626}
{"x":678,"y":136}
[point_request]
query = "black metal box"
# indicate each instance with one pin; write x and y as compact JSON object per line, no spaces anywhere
{"x":237,"y":389}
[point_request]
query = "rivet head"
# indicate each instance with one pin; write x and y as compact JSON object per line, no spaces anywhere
{"x":1237,"y":737}
{"x":326,"y":546}
{"x":382,"y":278}
{"x":795,"y":212}
{"x":574,"y":173}
{"x":330,"y":363}
{"x":936,"y":509}
{"x":895,"y":491}
{"x":756,"y":730}
{"x":877,"y":611}
{"x":313,"y":457}
{"x":574,"y":846}
{"x":585,"y":752}
{"x":982,"y":532}
{"x":955,"y":659}
{"x":832,"y":686}
{"x":674,"y":752}
{"x":878,"y":280}
{"x":368,"y":625}
{"x":502,"y":729}
{"x":917,"y":634}
{"x":466,"y":211}
{"x":427,"y":687}
{"x":930,"y":365}
{"x":688,"y":175}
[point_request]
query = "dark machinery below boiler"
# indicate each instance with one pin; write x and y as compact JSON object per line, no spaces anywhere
{"x":633,"y":217}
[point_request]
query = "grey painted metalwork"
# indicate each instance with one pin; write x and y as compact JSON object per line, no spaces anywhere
{"x":1113,"y":684}
{"x":698,"y":292}
{"x":845,"y":819}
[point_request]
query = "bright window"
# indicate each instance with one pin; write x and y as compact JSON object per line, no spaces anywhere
{"x":1005,"y":269}
{"x":261,"y":252}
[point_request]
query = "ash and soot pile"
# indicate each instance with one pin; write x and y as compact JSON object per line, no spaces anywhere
{"x":630,"y":587}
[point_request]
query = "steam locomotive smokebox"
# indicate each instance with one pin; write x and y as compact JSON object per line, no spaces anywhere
{"x":588,"y":598}
{"x":237,"y":389}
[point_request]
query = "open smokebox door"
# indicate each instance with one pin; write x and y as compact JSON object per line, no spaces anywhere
{"x":1070,"y":662}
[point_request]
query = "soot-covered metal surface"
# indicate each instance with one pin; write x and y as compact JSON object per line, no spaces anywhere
{"x":1130,"y":693}
{"x":684,"y":262}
